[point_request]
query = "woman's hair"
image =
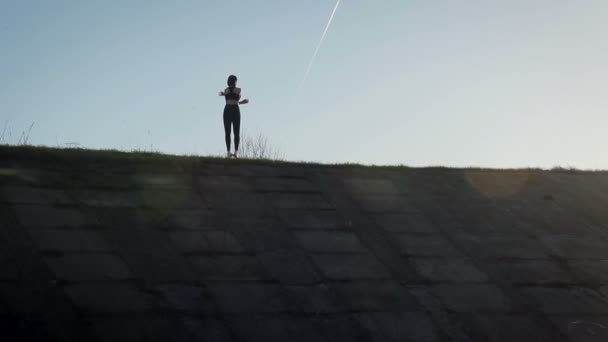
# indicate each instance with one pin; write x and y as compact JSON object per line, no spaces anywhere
{"x":232,"y":81}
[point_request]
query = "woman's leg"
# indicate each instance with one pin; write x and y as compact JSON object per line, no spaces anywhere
{"x":227,"y":124}
{"x":237,"y":129}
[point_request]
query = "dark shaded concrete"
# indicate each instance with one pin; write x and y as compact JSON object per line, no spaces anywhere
{"x":99,"y":248}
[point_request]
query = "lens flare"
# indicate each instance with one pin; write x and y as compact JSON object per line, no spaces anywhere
{"x":498,"y":185}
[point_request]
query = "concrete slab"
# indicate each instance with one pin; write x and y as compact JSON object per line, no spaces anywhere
{"x":406,"y":223}
{"x":366,"y":186}
{"x":207,"y":329}
{"x":153,"y":327}
{"x":123,"y":217}
{"x":229,"y":267}
{"x":592,"y":272}
{"x":192,"y":219}
{"x":519,"y":247}
{"x":240,"y":298}
{"x":556,"y":222}
{"x":189,"y":299}
{"x":566,"y":300}
{"x":315,"y":299}
{"x":507,"y":328}
{"x":77,"y":267}
{"x":238,"y":200}
{"x":196,"y":242}
{"x":104,"y":180}
{"x":582,"y":328}
{"x":530,"y":272}
{"x":472,"y":297}
{"x":289,"y":267}
{"x":282,"y":184}
{"x":135,"y":240}
{"x":472,"y":224}
{"x":299,"y":201}
{"x":111,"y":297}
{"x":246,"y":223}
{"x":38,"y":216}
{"x":161,"y":180}
{"x":604,"y":290}
{"x":579,"y":247}
{"x":375,"y":296}
{"x":170,"y":199}
{"x":26,"y":299}
{"x":329,"y":241}
{"x":382,"y":204}
{"x":426,"y":245}
{"x":69,"y":240}
{"x":311,"y":219}
{"x":107,"y":198}
{"x":155,"y":269}
{"x":265,"y":240}
{"x":297,"y":329}
{"x":15,"y":194}
{"x":343,"y":327}
{"x":350,"y":266}
{"x":399,"y":326}
{"x":218,"y":183}
{"x":449,"y":269}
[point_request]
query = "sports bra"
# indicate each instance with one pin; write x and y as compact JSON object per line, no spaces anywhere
{"x":232,"y":97}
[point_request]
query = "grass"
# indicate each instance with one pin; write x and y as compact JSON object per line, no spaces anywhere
{"x":7,"y":133}
{"x":45,"y":154}
{"x":21,"y":152}
{"x":255,"y":149}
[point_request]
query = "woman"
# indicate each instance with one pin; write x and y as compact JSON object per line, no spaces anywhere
{"x":232,"y":113}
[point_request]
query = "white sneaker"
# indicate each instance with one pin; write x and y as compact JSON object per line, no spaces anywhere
{"x":235,"y":154}
{"x":228,"y":154}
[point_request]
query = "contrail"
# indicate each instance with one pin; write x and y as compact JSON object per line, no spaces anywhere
{"x":314,"y":55}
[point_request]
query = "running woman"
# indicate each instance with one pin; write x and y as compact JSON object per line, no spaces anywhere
{"x":232,"y":114}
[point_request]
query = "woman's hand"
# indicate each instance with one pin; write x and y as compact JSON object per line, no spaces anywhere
{"x":221,"y":93}
{"x":245,"y":101}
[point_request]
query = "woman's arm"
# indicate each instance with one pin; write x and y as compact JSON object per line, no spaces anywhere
{"x":245,"y":101}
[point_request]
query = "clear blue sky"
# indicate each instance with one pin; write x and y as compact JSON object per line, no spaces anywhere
{"x":459,"y":83}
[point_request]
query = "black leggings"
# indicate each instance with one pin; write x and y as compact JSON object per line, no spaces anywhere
{"x":232,"y":116}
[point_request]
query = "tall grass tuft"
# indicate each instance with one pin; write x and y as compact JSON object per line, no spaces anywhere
{"x":258,"y":147}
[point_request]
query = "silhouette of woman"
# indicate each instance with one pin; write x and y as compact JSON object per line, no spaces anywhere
{"x":232,"y":114}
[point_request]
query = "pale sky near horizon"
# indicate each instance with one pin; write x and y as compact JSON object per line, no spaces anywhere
{"x":507,"y":83}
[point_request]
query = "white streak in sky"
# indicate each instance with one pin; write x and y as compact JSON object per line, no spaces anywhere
{"x":314,"y":55}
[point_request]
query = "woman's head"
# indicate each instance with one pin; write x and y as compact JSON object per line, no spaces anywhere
{"x":232,"y":81}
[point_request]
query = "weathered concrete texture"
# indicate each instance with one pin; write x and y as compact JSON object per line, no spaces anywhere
{"x":44,"y":216}
{"x":104,"y":249}
{"x":78,"y":267}
{"x":69,"y":240}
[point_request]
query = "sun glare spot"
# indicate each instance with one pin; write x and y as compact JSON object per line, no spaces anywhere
{"x":5,"y":172}
{"x":498,"y":184}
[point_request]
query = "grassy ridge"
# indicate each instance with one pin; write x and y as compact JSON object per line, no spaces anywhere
{"x":35,"y":154}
